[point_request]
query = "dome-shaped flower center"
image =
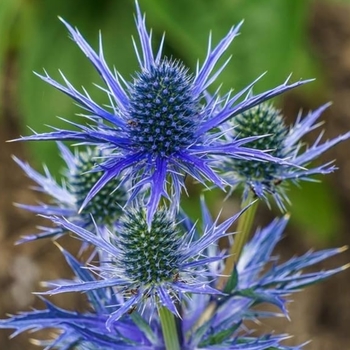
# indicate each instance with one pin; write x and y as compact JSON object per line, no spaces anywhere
{"x":258,"y":121}
{"x":163,"y":112}
{"x":149,"y":256}
{"x":105,"y":207}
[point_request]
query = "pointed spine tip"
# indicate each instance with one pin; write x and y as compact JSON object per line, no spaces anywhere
{"x":58,"y":246}
{"x":343,"y":248}
{"x":345,"y":267}
{"x":286,"y":216}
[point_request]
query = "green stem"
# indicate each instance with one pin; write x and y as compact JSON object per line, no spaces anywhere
{"x":244,"y":227}
{"x":245,"y":223}
{"x":167,"y":321}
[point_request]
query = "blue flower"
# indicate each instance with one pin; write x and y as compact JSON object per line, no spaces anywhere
{"x":266,"y":178}
{"x":257,"y":279}
{"x":151,"y":266}
{"x":160,"y":126}
{"x":79,"y":176}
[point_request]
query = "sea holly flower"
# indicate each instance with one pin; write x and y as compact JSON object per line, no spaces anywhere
{"x":79,"y":175}
{"x":161,"y":125}
{"x":268,"y":178}
{"x":259,"y":279}
{"x":152,"y":266}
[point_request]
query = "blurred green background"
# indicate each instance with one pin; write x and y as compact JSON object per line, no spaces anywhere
{"x":309,"y":38}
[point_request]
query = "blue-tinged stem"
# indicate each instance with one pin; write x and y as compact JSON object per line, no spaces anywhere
{"x":168,"y":323}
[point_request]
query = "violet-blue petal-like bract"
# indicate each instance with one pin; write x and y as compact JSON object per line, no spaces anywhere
{"x":160,"y":126}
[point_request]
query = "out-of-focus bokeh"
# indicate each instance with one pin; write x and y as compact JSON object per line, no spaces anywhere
{"x":303,"y":37}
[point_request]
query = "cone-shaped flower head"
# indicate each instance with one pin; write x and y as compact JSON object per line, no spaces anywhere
{"x":260,"y":120}
{"x":160,"y":126}
{"x":79,"y":175}
{"x":163,"y":109}
{"x":264,"y":178}
{"x":149,"y":257}
{"x":156,"y":265}
{"x":106,"y":206}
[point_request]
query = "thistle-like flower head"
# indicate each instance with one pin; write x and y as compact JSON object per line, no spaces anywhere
{"x":149,"y":257}
{"x":267,"y":178}
{"x":260,"y":120}
{"x":163,"y":110}
{"x":160,"y":126}
{"x":157,"y":265}
{"x":257,"y":281}
{"x":79,"y":175}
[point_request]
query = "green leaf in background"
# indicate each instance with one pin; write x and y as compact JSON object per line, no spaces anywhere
{"x":8,"y":17}
{"x":316,"y":210}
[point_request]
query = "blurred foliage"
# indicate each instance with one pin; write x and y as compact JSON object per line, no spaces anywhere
{"x":272,"y":40}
